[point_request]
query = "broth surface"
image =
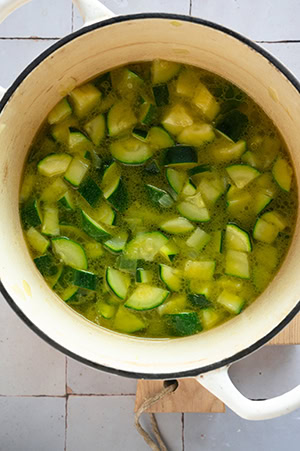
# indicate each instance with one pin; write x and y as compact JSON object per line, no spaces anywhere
{"x":158,"y":200}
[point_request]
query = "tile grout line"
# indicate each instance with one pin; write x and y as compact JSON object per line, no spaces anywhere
{"x":190,"y":7}
{"x":99,"y":395}
{"x":182,"y":431}
{"x":72,"y":18}
{"x":29,"y":38}
{"x":66,"y":402}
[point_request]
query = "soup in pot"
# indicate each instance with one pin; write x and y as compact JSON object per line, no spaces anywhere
{"x":158,"y":200}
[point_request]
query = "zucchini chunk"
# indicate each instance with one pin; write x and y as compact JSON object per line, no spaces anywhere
{"x":158,"y":138}
{"x":93,"y":228}
{"x":237,"y":239}
{"x":70,"y":295}
{"x":181,"y":324}
{"x":105,"y":214}
{"x":140,"y":134}
{"x":228,"y":151}
{"x":54,"y":191}
{"x":161,"y":94}
{"x":76,"y":171}
{"x":159,"y":197}
{"x":78,"y":142}
{"x":146,"y":297}
{"x":233,"y":124}
{"x":169,"y":250}
{"x":203,"y":270}
{"x":198,"y":239}
{"x":282,"y":173}
{"x":145,"y":246}
{"x":177,"y":225}
{"x":120,"y":118}
{"x":117,"y":243}
{"x":85,"y":279}
{"x":205,"y":101}
{"x":186,"y":82}
{"x":210,"y":317}
{"x":170,"y":276}
{"x":107,"y":311}
{"x":176,"y":179}
{"x":55,"y":164}
{"x":143,"y":276}
{"x":118,"y":282}
{"x":60,"y":112}
{"x":90,"y":191}
{"x":152,"y":168}
{"x":130,"y":151}
{"x":31,"y":214}
{"x":127,"y":322}
{"x":176,"y":119}
{"x":46,"y":265}
{"x":37,"y":241}
{"x":71,"y":253}
{"x":231,"y":302}
{"x":180,"y":157}
{"x":163,"y":71}
{"x":84,"y":99}
{"x":194,"y":208}
{"x":196,"y":135}
{"x":96,"y":129}
{"x":189,"y":189}
{"x":147,"y":113}
{"x":113,"y":188}
{"x":242,"y":174}
{"x":237,"y":264}
{"x":50,"y":224}
{"x":199,"y":300}
{"x":66,"y":201}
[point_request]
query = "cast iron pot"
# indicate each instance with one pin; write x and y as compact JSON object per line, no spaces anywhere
{"x":103,"y":43}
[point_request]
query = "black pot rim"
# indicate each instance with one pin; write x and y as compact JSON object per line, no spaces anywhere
{"x":138,"y":375}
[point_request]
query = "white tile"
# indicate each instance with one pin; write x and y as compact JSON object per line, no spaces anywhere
{"x":259,"y":20}
{"x":32,"y":424}
{"x":82,"y":379}
{"x":268,"y":372}
{"x":121,"y":7}
{"x":41,"y":18}
{"x":107,"y":423}
{"x":29,"y":366}
{"x":17,"y":54}
{"x":288,"y":54}
{"x":227,"y":431}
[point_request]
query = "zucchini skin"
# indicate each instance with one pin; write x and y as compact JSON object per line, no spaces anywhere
{"x":90,"y":191}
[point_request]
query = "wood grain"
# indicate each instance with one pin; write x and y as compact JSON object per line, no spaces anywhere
{"x":190,"y":396}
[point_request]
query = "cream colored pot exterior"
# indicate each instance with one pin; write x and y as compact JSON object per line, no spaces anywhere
{"x":75,"y":59}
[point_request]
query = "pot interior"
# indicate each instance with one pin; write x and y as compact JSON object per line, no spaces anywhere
{"x":84,"y":55}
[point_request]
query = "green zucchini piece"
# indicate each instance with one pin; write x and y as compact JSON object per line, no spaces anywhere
{"x":171,"y":277}
{"x":130,"y":151}
{"x":70,"y":253}
{"x":147,"y":113}
{"x":31,"y":214}
{"x":118,"y":282}
{"x":50,"y":224}
{"x":198,"y":239}
{"x":76,"y":171}
{"x":181,"y":324}
{"x":106,"y":214}
{"x":176,"y":179}
{"x":120,"y":118}
{"x":211,"y":189}
{"x":85,"y":279}
{"x":143,"y":275}
{"x":210,"y":317}
{"x":27,"y":187}
{"x":96,"y":129}
{"x":273,"y":217}
{"x":37,"y":241}
{"x":265,"y":231}
{"x":126,"y":264}
{"x":251,"y":159}
{"x":61,"y":132}
{"x":55,"y":164}
{"x":126,"y":82}
{"x":180,"y":157}
{"x":241,"y":174}
{"x":261,"y":201}
{"x":46,"y":265}
{"x":84,"y":99}
{"x":233,"y":124}
{"x":169,"y":250}
{"x":146,"y":297}
{"x":225,"y":152}
{"x":282,"y":173}
{"x":237,"y":264}
{"x":194,"y":208}
{"x":176,"y":119}
{"x":176,"y":303}
{"x":70,"y":295}
{"x":152,"y":168}
{"x":177,"y":225}
{"x":196,"y":135}
{"x":202,"y":270}
{"x":60,"y":112}
{"x":237,"y":238}
{"x":205,"y":101}
{"x":140,"y":134}
{"x":113,"y":188}
{"x":127,"y":322}
{"x":159,"y":138}
{"x":199,"y":300}
{"x":189,"y":189}
{"x":187,"y":82}
{"x":145,"y":246}
{"x":78,"y":142}
{"x":159,"y":197}
{"x":161,"y":94}
{"x":93,"y":250}
{"x":90,"y":191}
{"x":117,"y":243}
{"x":107,"y":311}
{"x":163,"y":71}
{"x":66,"y":201}
{"x":54,"y":191}
{"x":231,"y":302}
{"x":93,"y":228}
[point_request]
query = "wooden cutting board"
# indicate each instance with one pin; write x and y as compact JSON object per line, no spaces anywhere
{"x":190,"y":396}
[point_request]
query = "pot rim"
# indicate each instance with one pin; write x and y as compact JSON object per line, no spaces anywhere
{"x":278,"y":65}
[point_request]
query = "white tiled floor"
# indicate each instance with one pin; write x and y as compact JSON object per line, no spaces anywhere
{"x":35,"y":412}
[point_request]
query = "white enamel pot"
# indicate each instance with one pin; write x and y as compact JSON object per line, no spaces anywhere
{"x":103,"y":43}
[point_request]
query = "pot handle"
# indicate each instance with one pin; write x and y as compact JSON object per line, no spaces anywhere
{"x":219,"y":384}
{"x":92,"y":11}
